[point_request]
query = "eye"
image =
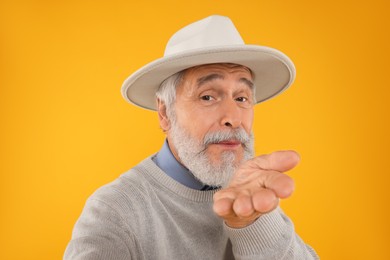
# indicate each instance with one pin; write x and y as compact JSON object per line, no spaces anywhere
{"x":241,"y":99}
{"x":206,"y":98}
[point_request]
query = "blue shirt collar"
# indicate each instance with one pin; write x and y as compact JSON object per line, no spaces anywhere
{"x":167,"y":162}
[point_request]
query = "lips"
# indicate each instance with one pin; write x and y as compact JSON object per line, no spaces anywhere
{"x":229,"y":142}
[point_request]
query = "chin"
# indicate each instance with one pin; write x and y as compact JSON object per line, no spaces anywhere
{"x":227,"y":157}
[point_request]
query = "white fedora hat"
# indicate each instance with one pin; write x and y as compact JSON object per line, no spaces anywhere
{"x":210,"y":40}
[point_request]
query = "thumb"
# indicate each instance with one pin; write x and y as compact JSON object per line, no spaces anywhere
{"x":280,"y":161}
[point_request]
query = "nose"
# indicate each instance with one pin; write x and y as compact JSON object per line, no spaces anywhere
{"x":231,"y":114}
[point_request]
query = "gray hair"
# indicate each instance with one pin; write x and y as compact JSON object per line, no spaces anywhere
{"x":167,"y":92}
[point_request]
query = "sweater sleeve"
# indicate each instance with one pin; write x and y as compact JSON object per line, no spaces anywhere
{"x":272,"y":236}
{"x":99,"y":233}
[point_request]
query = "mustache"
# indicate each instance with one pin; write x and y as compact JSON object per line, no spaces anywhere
{"x":238,"y":134}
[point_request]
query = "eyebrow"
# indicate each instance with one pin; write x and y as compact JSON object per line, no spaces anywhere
{"x":203,"y":80}
{"x":247,"y":82}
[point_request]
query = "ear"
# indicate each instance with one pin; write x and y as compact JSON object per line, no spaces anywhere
{"x":162,"y":115}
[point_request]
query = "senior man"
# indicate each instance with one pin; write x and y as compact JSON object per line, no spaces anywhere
{"x":203,"y":195}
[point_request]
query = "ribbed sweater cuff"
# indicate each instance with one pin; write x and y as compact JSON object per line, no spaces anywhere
{"x":265,"y":234}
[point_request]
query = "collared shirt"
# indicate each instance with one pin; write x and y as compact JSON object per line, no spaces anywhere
{"x":167,"y":162}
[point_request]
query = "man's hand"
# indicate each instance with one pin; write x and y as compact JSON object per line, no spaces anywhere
{"x":255,"y":188}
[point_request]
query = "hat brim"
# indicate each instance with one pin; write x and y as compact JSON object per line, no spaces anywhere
{"x":274,"y":71}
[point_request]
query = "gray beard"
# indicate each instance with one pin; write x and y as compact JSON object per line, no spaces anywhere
{"x":192,"y":153}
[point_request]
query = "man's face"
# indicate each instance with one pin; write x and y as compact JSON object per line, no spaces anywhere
{"x":214,"y":99}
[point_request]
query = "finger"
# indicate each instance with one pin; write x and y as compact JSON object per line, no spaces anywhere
{"x":224,"y":208}
{"x":223,"y":202}
{"x":278,"y":161}
{"x":264,"y":201}
{"x":225,"y":193}
{"x":281,"y":184}
{"x":243,"y":206}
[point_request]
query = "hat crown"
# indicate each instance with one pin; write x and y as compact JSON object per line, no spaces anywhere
{"x":212,"y":31}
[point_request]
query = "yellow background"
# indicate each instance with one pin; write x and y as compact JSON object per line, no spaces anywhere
{"x":65,"y":129}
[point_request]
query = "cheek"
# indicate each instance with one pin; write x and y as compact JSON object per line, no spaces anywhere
{"x":201,"y":125}
{"x":195,"y":122}
{"x":247,"y":120}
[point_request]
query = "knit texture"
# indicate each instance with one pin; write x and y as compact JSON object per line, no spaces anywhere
{"x":145,"y":214}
